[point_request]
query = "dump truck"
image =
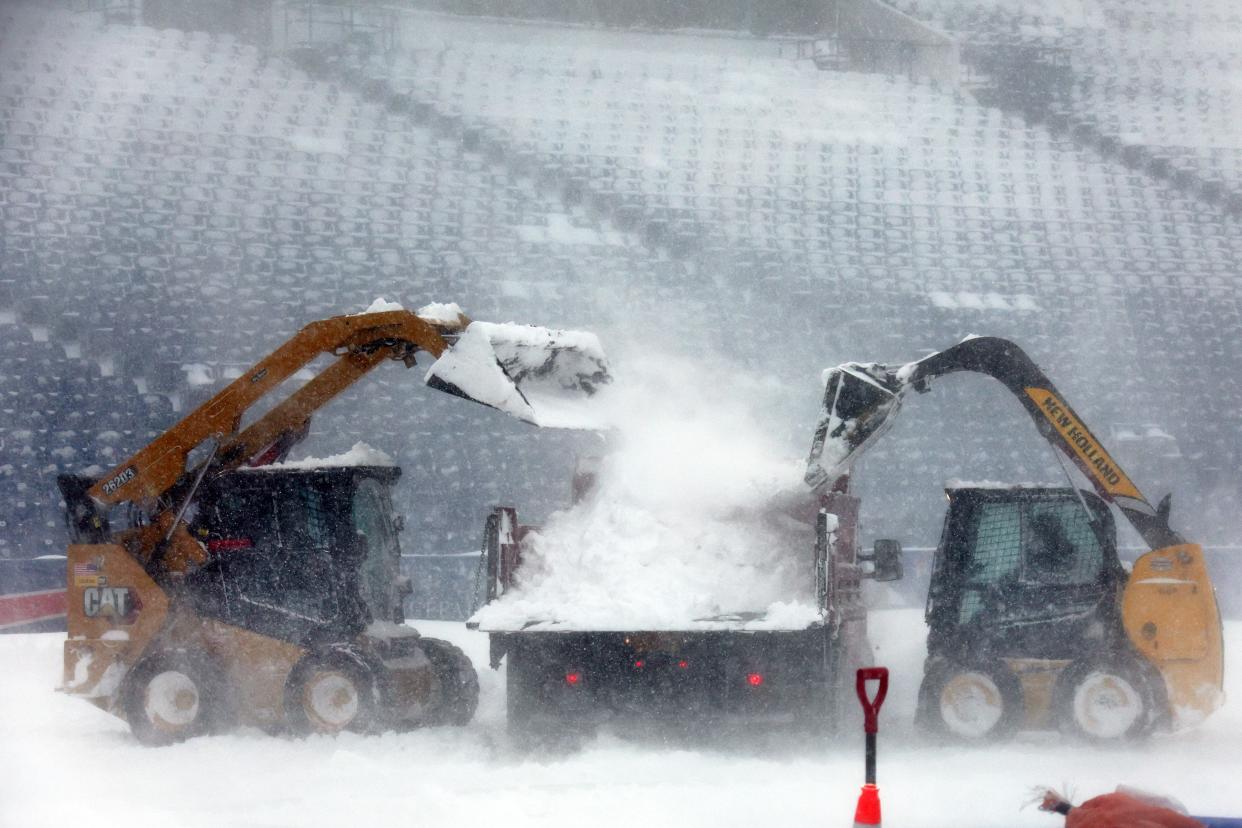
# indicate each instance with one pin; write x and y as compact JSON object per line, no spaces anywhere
{"x":212,"y":582}
{"x":728,"y":673}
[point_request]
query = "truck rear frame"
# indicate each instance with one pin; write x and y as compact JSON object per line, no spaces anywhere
{"x":727,"y":673}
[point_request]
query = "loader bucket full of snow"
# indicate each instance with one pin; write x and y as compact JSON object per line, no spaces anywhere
{"x":859,"y":403}
{"x":542,"y":376}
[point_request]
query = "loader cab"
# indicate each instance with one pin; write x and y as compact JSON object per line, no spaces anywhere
{"x":300,"y":553}
{"x":1019,"y":570}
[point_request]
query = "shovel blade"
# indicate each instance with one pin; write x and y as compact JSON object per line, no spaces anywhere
{"x":859,"y":403}
{"x":542,"y":376}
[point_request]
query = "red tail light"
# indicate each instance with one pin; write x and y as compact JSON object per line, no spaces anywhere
{"x":573,"y":679}
{"x":683,"y":664}
{"x":640,"y":664}
{"x":754,"y":679}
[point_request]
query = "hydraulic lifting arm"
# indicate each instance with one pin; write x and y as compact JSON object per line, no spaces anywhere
{"x":1168,"y":606}
{"x":1057,"y":422}
{"x":863,"y":397}
{"x":359,"y":343}
{"x":487,"y":370}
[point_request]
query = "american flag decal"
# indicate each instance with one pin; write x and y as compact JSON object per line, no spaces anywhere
{"x":86,"y":574}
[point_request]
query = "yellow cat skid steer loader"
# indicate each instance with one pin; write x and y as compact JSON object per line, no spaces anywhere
{"x":241,"y":589}
{"x":1033,"y":621}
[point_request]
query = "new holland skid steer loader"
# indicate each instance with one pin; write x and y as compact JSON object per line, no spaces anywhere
{"x":1033,"y":620}
{"x":210,"y":583}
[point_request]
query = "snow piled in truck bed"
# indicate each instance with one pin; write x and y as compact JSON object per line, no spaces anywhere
{"x":65,"y":763}
{"x":676,"y":534}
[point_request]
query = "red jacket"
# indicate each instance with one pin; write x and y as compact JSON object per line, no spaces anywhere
{"x":1118,"y":810}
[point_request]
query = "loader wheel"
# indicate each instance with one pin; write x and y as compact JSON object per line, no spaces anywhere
{"x":459,"y":683}
{"x":973,"y":703}
{"x":171,"y":697}
{"x":331,"y":692}
{"x":1107,"y":700}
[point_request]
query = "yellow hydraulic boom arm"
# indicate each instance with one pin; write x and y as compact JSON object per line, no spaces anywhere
{"x":359,"y":342}
{"x":157,"y":476}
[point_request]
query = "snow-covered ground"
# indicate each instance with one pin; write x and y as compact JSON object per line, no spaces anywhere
{"x":62,"y":762}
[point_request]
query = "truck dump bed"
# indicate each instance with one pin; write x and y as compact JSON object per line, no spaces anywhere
{"x":612,"y":567}
{"x":617,"y":661}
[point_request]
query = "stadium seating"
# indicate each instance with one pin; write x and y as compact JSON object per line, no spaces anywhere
{"x":175,"y":204}
{"x":172,"y":202}
{"x":808,"y":177}
{"x":1149,"y":74}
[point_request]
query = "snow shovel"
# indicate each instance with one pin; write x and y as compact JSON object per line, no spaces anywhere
{"x":545,"y":377}
{"x":868,"y":811}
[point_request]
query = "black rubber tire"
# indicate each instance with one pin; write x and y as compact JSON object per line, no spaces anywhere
{"x":940,"y":716}
{"x":195,"y":684}
{"x":352,"y":676}
{"x":459,"y":683}
{"x":1117,"y":678}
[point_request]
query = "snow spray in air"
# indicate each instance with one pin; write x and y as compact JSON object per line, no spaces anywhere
{"x":676,"y":532}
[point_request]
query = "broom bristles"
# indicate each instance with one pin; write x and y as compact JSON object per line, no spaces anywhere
{"x":1050,"y":799}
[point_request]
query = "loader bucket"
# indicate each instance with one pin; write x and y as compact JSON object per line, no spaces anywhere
{"x":542,"y":376}
{"x":859,"y":403}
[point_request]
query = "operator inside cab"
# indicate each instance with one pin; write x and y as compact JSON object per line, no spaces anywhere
{"x":1049,"y":551}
